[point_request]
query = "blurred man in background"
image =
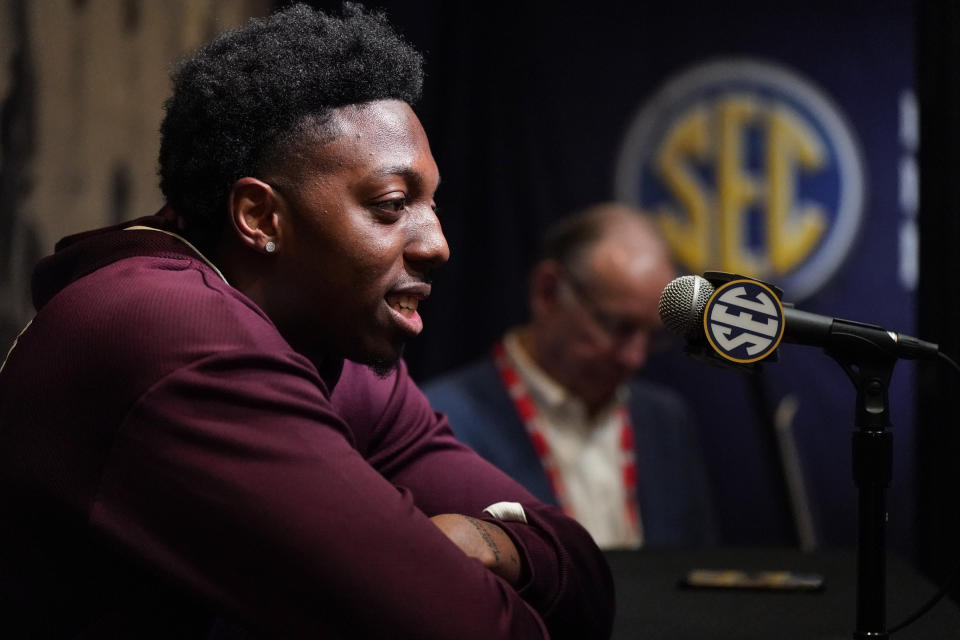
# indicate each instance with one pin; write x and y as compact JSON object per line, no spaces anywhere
{"x":556,"y":404}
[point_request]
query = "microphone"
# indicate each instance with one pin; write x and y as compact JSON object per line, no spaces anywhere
{"x":743,"y":321}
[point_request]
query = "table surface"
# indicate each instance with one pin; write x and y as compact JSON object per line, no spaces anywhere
{"x":652,"y":605}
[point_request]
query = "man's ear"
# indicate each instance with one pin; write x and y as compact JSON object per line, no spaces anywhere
{"x":545,"y":286}
{"x":254,"y":212}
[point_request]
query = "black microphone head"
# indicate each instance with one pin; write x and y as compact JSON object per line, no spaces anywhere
{"x":682,"y":303}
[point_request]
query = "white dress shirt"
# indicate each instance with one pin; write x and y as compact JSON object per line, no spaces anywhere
{"x":586,"y":451}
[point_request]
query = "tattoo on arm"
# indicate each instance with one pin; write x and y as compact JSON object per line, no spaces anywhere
{"x":486,"y":537}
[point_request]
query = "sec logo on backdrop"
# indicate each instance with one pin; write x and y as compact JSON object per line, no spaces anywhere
{"x":748,"y":168}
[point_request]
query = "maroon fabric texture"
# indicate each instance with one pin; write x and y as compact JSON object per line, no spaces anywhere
{"x":168,"y":459}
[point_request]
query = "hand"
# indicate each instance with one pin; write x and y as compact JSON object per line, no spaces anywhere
{"x":484,"y":541}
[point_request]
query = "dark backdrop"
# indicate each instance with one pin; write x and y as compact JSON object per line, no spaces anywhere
{"x":938,"y":437}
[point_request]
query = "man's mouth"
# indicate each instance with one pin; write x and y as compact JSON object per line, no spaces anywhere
{"x":403,"y":304}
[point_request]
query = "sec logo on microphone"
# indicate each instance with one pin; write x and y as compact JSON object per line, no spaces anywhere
{"x":747,"y":167}
{"x":743,"y":321}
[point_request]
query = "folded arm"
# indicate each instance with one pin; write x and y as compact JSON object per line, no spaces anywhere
{"x":563,"y":574}
{"x":235,"y":479}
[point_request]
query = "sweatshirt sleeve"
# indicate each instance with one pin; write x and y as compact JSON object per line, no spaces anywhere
{"x":235,"y":478}
{"x":569,"y":582}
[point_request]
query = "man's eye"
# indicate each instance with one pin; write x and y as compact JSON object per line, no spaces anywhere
{"x":394,"y":205}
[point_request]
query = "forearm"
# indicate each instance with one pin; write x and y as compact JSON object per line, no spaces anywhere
{"x":564,"y":576}
{"x":569,"y":582}
{"x":562,"y":585}
{"x":484,"y":541}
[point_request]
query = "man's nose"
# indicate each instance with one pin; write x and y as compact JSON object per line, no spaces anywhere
{"x":426,"y":246}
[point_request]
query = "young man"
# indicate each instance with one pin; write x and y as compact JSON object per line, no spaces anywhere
{"x":207,"y":430}
{"x":557,"y":406}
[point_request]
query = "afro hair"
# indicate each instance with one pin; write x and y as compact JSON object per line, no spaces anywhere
{"x":247,"y":94}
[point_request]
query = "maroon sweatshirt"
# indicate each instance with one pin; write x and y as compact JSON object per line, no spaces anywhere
{"x":171,"y":467}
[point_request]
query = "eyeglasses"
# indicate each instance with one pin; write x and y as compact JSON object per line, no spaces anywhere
{"x":618,"y":328}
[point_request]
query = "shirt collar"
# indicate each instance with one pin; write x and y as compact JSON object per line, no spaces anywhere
{"x":544,"y":389}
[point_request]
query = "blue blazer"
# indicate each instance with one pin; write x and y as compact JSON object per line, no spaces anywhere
{"x":673,"y":491}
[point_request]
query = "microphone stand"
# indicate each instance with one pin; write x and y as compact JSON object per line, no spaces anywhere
{"x":867,"y":355}
{"x":870,"y":367}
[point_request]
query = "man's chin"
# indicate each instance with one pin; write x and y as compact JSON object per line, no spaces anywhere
{"x":381,"y":358}
{"x":382,"y":364}
{"x":383,"y":368}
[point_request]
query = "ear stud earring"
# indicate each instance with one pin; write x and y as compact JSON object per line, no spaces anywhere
{"x":270,"y":247}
